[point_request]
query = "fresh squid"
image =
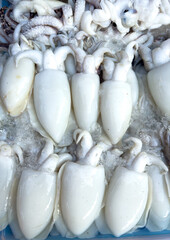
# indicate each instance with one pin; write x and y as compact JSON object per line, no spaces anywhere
{"x":85,"y":88}
{"x":108,"y":69}
{"x":127,"y":194}
{"x":36,"y":193}
{"x":8,"y":163}
{"x":157,"y":62}
{"x":159,"y":215}
{"x":72,"y":67}
{"x":83,"y":186}
{"x":52,"y":99}
{"x":116,"y":95}
{"x":40,"y":6}
{"x":16,"y":81}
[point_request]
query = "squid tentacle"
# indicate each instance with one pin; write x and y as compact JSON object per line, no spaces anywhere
{"x":78,"y":13}
{"x":39,"y":30}
{"x":43,"y":20}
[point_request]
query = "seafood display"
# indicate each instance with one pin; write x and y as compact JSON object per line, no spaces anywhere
{"x":84,"y":117}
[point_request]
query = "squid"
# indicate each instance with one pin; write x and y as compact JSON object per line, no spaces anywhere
{"x":157,"y":62}
{"x":108,"y":69}
{"x":159,"y":215}
{"x":128,"y":192}
{"x":48,"y":25}
{"x":16,"y":81}
{"x":151,"y":14}
{"x":85,"y":88}
{"x":10,"y":157}
{"x":70,"y":66}
{"x":83,"y":185}
{"x":111,"y":12}
{"x":116,"y":94}
{"x":35,"y":215}
{"x":52,"y":98}
{"x":42,"y":7}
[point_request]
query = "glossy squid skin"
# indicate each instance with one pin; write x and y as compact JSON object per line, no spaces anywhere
{"x":82,"y":185}
{"x":159,"y":216}
{"x":116,"y":108}
{"x":7,"y":168}
{"x":85,"y":95}
{"x":52,"y":101}
{"x":9,"y":155}
{"x":81,"y":198}
{"x":16,"y":85}
{"x":35,"y":201}
{"x":129,"y":194}
{"x":159,"y":85}
{"x":126,"y":200}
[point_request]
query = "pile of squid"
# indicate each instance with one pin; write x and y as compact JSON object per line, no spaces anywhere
{"x":71,"y":68}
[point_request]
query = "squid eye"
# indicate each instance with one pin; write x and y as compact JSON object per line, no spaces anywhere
{"x":129,"y":17}
{"x":129,"y":10}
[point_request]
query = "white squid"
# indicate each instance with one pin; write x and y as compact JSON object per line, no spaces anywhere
{"x":85,"y":88}
{"x":36,"y":193}
{"x":116,"y":95}
{"x":52,"y":99}
{"x":159,"y":215}
{"x":16,"y":81}
{"x":83,"y":186}
{"x":128,"y":192}
{"x":8,"y":164}
{"x":157,"y":62}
